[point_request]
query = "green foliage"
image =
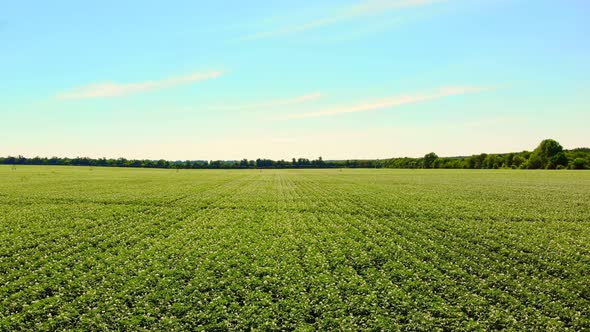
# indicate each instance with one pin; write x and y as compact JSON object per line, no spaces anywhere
{"x":429,"y":159}
{"x":544,"y":156}
{"x":547,"y":149}
{"x":548,"y":155}
{"x":579,"y":163}
{"x":154,"y":249}
{"x":518,"y":161}
{"x":492,"y":161}
{"x":535,"y":162}
{"x":559,"y":159}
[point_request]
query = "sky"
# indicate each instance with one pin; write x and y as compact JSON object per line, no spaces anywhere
{"x":360,"y":79}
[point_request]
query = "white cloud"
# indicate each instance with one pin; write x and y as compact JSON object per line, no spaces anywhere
{"x":392,"y":101}
{"x":271,"y":103}
{"x":112,"y":89}
{"x":363,"y":8}
{"x":372,"y":7}
{"x":285,"y":102}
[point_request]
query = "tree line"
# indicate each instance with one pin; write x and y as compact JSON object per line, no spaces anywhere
{"x":548,"y":155}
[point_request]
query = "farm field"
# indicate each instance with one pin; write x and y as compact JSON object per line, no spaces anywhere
{"x":130,"y":249}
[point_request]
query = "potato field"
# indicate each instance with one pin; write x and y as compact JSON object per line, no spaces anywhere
{"x":98,"y":249}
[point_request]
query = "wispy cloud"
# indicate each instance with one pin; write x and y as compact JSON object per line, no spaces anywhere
{"x":363,"y":8}
{"x":371,"y":7}
{"x":394,"y":101}
{"x":112,"y":89}
{"x":284,"y":102}
{"x":271,"y":103}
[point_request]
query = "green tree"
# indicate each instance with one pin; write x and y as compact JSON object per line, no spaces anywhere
{"x":429,"y":160}
{"x":544,"y":152}
{"x":518,"y":161}
{"x":492,"y":161}
{"x":479,"y":160}
{"x":438,"y":163}
{"x":244,"y":163}
{"x":559,"y":159}
{"x":578,"y":163}
{"x":534,"y":162}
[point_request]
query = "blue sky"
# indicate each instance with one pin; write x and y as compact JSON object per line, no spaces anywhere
{"x":282,"y":79}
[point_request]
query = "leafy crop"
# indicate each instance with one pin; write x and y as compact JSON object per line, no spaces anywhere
{"x":133,"y":249}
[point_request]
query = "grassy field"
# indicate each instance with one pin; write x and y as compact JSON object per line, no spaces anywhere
{"x":131,"y":249}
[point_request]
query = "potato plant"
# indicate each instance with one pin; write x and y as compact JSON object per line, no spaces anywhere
{"x":146,"y":249}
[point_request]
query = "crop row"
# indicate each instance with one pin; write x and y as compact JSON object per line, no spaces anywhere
{"x":284,"y":250}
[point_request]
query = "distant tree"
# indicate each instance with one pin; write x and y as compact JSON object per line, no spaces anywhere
{"x":544,"y":152}
{"x":507,"y":160}
{"x":578,"y":163}
{"x":215,"y":164}
{"x":162,"y":164}
{"x":303,"y":162}
{"x":534,"y":162}
{"x":557,"y":160}
{"x":549,"y":154}
{"x":429,"y":160}
{"x":492,"y":161}
{"x":438,"y":163}
{"x":518,"y":161}
{"x":479,"y":160}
